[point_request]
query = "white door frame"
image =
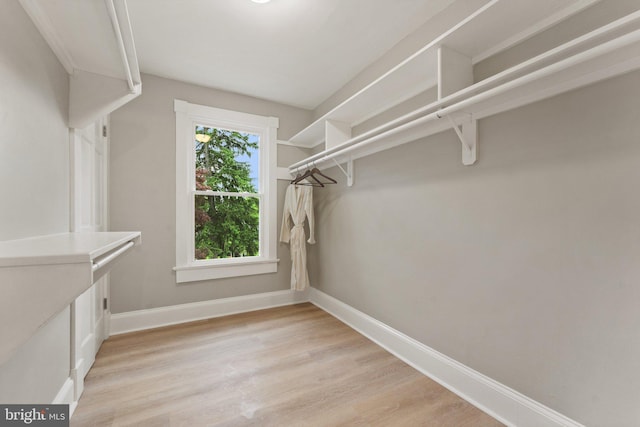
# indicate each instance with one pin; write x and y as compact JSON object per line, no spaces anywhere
{"x":88,"y":212}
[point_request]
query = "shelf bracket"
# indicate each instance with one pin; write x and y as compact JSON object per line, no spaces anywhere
{"x":468,"y":134}
{"x":348,"y":173}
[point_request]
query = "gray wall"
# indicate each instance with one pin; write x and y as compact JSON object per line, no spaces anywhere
{"x":142,"y":195}
{"x":524,"y":266}
{"x":34,"y":139}
{"x":34,"y":155}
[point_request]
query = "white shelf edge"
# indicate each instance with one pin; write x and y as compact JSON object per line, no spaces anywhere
{"x":545,"y":24}
{"x":28,"y":251}
{"x":556,"y":54}
{"x":495,"y":79}
{"x":433,"y":44}
{"x":433,"y":111}
{"x":553,"y":19}
{"x":40,"y":276}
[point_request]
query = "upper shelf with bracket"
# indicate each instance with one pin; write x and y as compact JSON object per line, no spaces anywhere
{"x":466,"y":43}
{"x":40,"y":276}
{"x":610,"y":50}
{"x":94,"y":42}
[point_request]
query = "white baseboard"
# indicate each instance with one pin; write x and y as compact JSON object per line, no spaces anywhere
{"x":496,"y":399}
{"x":65,"y":396}
{"x":121,"y":323}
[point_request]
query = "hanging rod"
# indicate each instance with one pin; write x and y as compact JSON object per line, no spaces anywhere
{"x":101,"y":262}
{"x":323,"y":157}
{"x":496,"y":79}
{"x":362,"y":140}
{"x":115,"y":23}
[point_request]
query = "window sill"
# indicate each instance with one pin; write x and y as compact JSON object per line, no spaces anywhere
{"x":193,"y":273}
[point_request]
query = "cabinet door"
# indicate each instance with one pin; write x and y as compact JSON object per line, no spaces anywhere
{"x":89,"y":155}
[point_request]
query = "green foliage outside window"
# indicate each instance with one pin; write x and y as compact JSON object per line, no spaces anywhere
{"x":225,"y":226}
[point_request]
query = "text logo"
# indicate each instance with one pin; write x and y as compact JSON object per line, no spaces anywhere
{"x":34,"y":415}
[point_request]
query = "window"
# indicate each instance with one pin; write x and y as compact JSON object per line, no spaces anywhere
{"x":225,"y":193}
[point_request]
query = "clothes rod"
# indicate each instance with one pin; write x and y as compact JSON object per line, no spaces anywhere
{"x":307,"y":163}
{"x":493,"y":80}
{"x":120,"y":42}
{"x":113,"y":255}
{"x":547,"y":71}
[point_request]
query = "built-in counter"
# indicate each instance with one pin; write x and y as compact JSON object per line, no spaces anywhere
{"x":40,"y":276}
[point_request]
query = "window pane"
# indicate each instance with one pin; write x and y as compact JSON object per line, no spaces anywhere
{"x":226,"y":160}
{"x":226,"y":227}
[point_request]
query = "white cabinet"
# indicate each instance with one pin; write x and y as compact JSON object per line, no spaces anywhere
{"x":40,"y":276}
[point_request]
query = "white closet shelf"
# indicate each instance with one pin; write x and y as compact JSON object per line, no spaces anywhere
{"x":469,"y":38}
{"x":40,"y":276}
{"x":611,"y":50}
{"x":63,"y":248}
{"x":97,"y":77}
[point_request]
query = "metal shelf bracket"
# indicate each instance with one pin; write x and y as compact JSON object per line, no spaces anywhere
{"x":349,"y":172}
{"x":468,"y":134}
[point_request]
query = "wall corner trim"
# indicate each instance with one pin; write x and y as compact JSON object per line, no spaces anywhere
{"x":66,"y":395}
{"x":501,"y":402}
{"x":139,"y":320}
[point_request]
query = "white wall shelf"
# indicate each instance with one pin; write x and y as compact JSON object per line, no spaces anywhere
{"x":608,"y":51}
{"x":419,"y":72}
{"x":40,"y":276}
{"x":104,"y":74}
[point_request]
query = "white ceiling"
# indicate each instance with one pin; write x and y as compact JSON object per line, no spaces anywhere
{"x":297,"y":52}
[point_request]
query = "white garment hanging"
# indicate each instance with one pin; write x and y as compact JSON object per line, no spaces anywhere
{"x":298,"y":204}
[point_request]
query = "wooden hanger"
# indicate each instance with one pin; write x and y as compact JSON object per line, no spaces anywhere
{"x":315,"y":171}
{"x":298,"y":180}
{"x":312,"y":173}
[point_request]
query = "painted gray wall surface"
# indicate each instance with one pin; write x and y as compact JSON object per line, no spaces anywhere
{"x":524,"y":266}
{"x":142,"y":195}
{"x":34,"y":140}
{"x":34,"y":155}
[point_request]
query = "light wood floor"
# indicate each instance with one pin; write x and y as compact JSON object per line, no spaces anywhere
{"x":289,"y":366}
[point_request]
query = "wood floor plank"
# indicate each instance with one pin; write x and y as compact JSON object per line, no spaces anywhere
{"x":287,"y":366}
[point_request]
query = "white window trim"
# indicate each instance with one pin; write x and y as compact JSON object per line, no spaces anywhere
{"x":187,"y":268}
